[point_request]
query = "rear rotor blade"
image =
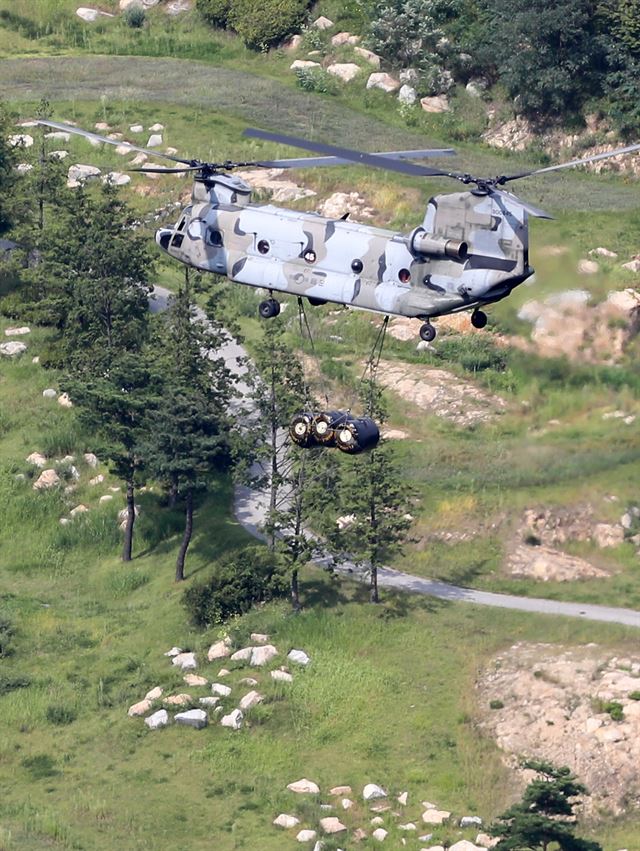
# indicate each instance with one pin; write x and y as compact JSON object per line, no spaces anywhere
{"x":594,"y":158}
{"x":306,"y":162}
{"x":513,"y":199}
{"x":67,"y":128}
{"x":375,"y":160}
{"x":162,"y":170}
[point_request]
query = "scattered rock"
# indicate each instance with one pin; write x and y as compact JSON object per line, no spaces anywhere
{"x":97,"y":480}
{"x":17,"y":332}
{"x":245,"y":681}
{"x":259,"y":637}
{"x":47,"y":479}
{"x":36,"y":459}
{"x":341,"y":790}
{"x":64,"y":400}
{"x":156,"y":128}
{"x":344,"y":38}
{"x":209,"y":701}
{"x":438,"y":103}
{"x":546,"y":564}
{"x":464,"y":845}
{"x":331,"y":824}
{"x":178,"y":700}
{"x":632,"y":265}
{"x":242,"y":655}
{"x":371,"y":57}
{"x":383,"y":81}
{"x":372,"y":792}
{"x":12,"y":349}
{"x":286,"y":821}
{"x":49,"y":393}
{"x":36,"y":359}
{"x":220,"y":689}
{"x":79,"y":174}
{"x":299,"y":657}
{"x":608,"y":535}
{"x":175,"y":651}
{"x":177,"y":7}
{"x":303,"y":63}
{"x":140,"y":708}
{"x":409,"y":826}
{"x":306,"y":836}
{"x":79,"y":509}
{"x":233,"y":719}
{"x":402,"y":798}
{"x":322,"y":23}
{"x":219,"y":650}
{"x":192,"y":718}
{"x":407,"y":95}
{"x":136,"y":128}
{"x":90,"y":459}
{"x":185,"y":661}
{"x":588,"y":267}
{"x":154,"y":141}
{"x":380,"y":834}
{"x":20,"y":140}
{"x":304,"y":787}
{"x":346,"y":803}
{"x":223,"y":672}
{"x":281,"y":676}
{"x":251,"y":699}
{"x":116,"y":178}
{"x":262,"y":655}
{"x":476,"y":88}
{"x":345,"y":71}
{"x":435,"y":816}
{"x":470,"y":821}
{"x":376,"y":821}
{"x":293,"y":43}
{"x":195,"y":680}
{"x":154,"y":693}
{"x":157,"y":720}
{"x":603,"y":252}
{"x":340,"y":203}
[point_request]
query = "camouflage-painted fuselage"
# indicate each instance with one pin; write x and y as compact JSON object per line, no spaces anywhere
{"x":471,"y":249}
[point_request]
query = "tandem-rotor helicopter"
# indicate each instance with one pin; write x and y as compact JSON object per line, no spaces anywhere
{"x":471,"y":249}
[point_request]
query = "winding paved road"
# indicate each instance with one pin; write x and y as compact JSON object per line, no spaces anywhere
{"x":250,"y":508}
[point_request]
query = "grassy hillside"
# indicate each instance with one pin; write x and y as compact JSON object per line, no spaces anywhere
{"x":390,"y":695}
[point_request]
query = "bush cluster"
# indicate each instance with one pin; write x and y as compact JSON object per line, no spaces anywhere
{"x":261,"y":24}
{"x":250,"y":576}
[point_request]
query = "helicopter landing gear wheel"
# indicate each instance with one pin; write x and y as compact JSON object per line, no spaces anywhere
{"x":427,"y":332}
{"x":269,"y":308}
{"x":478,"y":318}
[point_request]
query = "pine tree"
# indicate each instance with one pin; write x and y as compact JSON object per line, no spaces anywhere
{"x":545,"y":815}
{"x":372,"y":491}
{"x":190,"y":434}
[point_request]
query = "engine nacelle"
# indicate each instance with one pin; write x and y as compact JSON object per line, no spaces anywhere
{"x":421,"y":242}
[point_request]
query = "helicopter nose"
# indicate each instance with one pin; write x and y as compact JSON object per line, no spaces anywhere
{"x":163,"y":235}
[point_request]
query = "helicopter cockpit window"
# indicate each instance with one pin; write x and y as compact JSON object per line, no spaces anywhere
{"x":263,"y":246}
{"x":214,"y":237}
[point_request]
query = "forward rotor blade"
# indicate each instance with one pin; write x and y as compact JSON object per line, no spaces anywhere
{"x":513,"y":199}
{"x":306,"y":162}
{"x":68,"y":128}
{"x":162,"y":170}
{"x":592,"y":159}
{"x":375,"y":160}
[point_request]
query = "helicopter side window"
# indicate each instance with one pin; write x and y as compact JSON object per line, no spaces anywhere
{"x":263,"y":246}
{"x":404,"y":276}
{"x":214,"y":237}
{"x":177,"y":239}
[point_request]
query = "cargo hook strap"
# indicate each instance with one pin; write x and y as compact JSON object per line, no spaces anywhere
{"x":304,"y":326}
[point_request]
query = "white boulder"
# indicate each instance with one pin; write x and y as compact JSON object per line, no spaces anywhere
{"x":306,"y":836}
{"x":80,"y":173}
{"x":432,"y":816}
{"x":17,"y":332}
{"x":192,"y":718}
{"x":233,"y":719}
{"x":156,"y":128}
{"x":286,"y":821}
{"x":47,"y":479}
{"x":299,"y":657}
{"x":383,"y":81}
{"x":407,"y":95}
{"x":177,"y":700}
{"x":185,"y":661}
{"x":219,"y":650}
{"x":262,"y":655}
{"x":220,"y":689}
{"x":49,"y":393}
{"x":331,"y":824}
{"x":304,"y":787}
{"x":437,"y":103}
{"x":136,"y":128}
{"x":470,"y":821}
{"x":380,"y":834}
{"x":372,"y":792}
{"x":154,"y":693}
{"x":281,"y":676}
{"x":242,"y":655}
{"x":322,"y":23}
{"x":37,"y":459}
{"x":12,"y":349}
{"x":20,"y":140}
{"x":79,"y":509}
{"x":195,"y":680}
{"x":371,"y":57}
{"x":259,"y":637}
{"x":116,"y":178}
{"x":157,"y":720}
{"x":64,"y":400}
{"x":90,"y":459}
{"x":154,"y":141}
{"x":209,"y":701}
{"x":140,"y":708}
{"x":345,"y":71}
{"x":175,"y":651}
{"x":251,"y":699}
{"x":303,"y":63}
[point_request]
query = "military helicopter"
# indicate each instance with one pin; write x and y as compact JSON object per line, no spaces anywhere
{"x":471,"y":249}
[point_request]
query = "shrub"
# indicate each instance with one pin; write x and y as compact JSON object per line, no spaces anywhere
{"x":7,"y":631}
{"x":9,"y":684}
{"x":634,"y":695}
{"x":496,"y":704}
{"x":261,"y":24}
{"x":615,"y":710}
{"x":60,"y":715}
{"x":134,"y":16}
{"x":40,"y":766}
{"x":214,"y":12}
{"x":315,"y":80}
{"x":251,"y":575}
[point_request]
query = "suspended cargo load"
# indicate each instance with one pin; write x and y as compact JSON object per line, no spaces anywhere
{"x":300,"y":430}
{"x":357,"y":434}
{"x":324,"y":426}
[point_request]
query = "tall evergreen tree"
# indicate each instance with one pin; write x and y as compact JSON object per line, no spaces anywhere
{"x":190,"y":434}
{"x":9,"y":178}
{"x":373,"y":492}
{"x":545,"y":815}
